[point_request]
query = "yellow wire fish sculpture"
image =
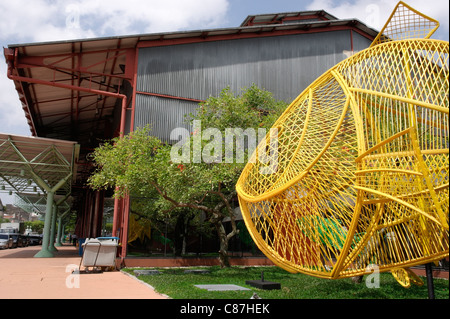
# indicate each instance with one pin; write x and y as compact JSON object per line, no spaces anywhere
{"x":362,"y":162}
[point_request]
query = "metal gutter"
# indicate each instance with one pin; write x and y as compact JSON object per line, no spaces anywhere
{"x":206,"y":32}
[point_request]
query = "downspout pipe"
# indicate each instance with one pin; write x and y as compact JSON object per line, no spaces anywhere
{"x":60,"y":228}
{"x":51,"y":243}
{"x":123,"y":97}
{"x":75,"y":88}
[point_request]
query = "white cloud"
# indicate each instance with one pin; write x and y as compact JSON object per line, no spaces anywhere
{"x":46,"y":20}
{"x":376,"y":13}
{"x":154,"y":16}
{"x":12,"y":117}
{"x":20,"y":19}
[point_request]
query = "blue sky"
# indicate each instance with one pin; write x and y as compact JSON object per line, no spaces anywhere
{"x":24,"y":21}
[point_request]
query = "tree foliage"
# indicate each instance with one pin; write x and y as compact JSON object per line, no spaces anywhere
{"x":141,"y":165}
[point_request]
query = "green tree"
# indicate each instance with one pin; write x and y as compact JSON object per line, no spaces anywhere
{"x":36,"y":226}
{"x":198,"y":173}
{"x":4,"y":220}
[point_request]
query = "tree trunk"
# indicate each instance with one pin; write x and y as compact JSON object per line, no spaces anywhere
{"x":185,"y":233}
{"x":223,"y":239}
{"x":216,"y":218}
{"x":181,"y":232}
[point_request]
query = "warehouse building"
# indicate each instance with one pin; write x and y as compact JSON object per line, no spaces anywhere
{"x":90,"y":90}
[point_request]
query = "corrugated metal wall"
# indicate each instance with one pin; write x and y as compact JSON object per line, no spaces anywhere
{"x":163,"y":115}
{"x":360,"y":43}
{"x":284,"y":65}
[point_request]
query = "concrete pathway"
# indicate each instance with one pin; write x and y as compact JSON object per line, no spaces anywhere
{"x":24,"y":277}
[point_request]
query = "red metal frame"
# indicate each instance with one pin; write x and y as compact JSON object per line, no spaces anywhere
{"x":28,"y":62}
{"x":170,"y":97}
{"x":74,"y":88}
{"x":14,"y":63}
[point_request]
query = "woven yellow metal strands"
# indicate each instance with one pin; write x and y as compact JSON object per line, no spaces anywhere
{"x":362,"y":166}
{"x":406,"y":23}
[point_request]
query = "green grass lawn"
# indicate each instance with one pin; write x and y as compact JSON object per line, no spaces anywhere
{"x":178,"y":285}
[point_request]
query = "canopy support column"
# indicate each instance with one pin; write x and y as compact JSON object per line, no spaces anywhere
{"x":51,"y":245}
{"x":45,"y":253}
{"x":28,"y":164}
{"x":60,"y":228}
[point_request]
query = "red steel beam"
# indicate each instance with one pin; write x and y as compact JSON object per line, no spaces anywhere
{"x":77,"y":88}
{"x":11,"y":57}
{"x":170,"y":97}
{"x":38,"y":62}
{"x":74,"y":88}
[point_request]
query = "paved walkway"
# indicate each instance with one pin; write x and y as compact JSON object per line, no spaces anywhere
{"x":24,"y":277}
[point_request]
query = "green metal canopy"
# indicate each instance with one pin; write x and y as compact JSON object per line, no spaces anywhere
{"x":30,"y":165}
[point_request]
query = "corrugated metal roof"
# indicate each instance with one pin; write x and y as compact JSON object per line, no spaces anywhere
{"x":287,"y":17}
{"x":130,"y":41}
{"x":27,"y":163}
{"x":106,"y":63}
